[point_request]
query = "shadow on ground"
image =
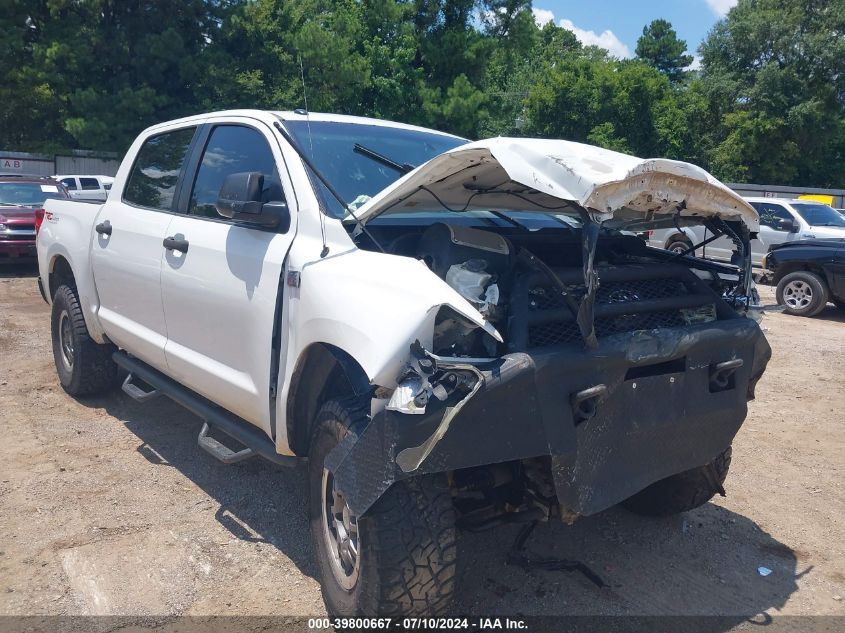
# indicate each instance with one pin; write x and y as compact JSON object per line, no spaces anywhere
{"x":831,"y":313}
{"x":702,"y":563}
{"x":18,"y":269}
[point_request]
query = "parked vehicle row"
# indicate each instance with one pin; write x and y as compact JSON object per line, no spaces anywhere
{"x":455,"y":335}
{"x":94,"y":188}
{"x":22,"y":201}
{"x":780,"y":221}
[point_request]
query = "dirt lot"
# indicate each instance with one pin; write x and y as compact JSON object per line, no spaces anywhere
{"x":107,"y":507}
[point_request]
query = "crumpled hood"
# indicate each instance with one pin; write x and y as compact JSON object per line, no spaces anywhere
{"x":549,"y":175}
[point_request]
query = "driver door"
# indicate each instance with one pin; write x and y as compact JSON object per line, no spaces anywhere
{"x":771,"y":230}
{"x":220,"y":294}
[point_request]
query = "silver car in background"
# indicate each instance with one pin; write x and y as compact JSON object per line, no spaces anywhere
{"x":781,"y":220}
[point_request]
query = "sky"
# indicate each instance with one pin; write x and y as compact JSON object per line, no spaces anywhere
{"x":616,"y":24}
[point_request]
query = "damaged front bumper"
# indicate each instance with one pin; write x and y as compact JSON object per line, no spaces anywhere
{"x":615,"y":418}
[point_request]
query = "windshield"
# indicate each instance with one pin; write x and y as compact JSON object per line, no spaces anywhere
{"x":819,"y":214}
{"x":355,"y":175}
{"x":27,"y":194}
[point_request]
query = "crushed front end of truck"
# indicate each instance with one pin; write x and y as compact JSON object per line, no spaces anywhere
{"x":619,"y":365}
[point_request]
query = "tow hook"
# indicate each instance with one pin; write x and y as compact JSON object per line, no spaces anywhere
{"x":722,"y":375}
{"x":585,"y":403}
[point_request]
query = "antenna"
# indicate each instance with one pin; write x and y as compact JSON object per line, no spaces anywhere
{"x":325,"y":250}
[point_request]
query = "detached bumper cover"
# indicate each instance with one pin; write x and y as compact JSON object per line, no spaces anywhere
{"x":659,"y":414}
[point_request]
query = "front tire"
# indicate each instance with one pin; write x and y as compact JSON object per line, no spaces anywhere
{"x":803,"y":293}
{"x":682,"y":492}
{"x":84,"y":366}
{"x":398,"y":559}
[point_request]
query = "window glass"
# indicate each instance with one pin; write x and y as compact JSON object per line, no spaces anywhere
{"x":29,"y":194}
{"x":70,"y":183}
{"x":771,"y":214}
{"x":233,"y":149}
{"x":152,"y":180}
{"x":89,"y":183}
{"x":355,"y":175}
{"x":819,"y":214}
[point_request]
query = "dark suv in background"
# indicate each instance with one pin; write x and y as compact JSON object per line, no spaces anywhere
{"x":21,"y":208}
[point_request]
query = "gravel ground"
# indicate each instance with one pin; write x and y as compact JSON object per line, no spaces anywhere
{"x":107,"y":507}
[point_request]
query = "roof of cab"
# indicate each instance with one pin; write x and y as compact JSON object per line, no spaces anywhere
{"x":268,"y":116}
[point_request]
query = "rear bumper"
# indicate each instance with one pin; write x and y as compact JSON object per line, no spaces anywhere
{"x":17,"y":249}
{"x":659,"y":415}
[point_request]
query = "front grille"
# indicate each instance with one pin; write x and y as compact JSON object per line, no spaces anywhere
{"x":549,"y":322}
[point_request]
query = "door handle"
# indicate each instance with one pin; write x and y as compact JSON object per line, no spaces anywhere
{"x":103,"y":228}
{"x":175,"y":244}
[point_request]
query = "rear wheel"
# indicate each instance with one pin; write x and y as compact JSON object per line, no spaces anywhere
{"x":84,"y":366}
{"x":398,"y":559}
{"x":682,"y":492}
{"x":803,"y":293}
{"x":679,"y":245}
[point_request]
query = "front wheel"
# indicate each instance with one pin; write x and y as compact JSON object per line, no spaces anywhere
{"x":84,"y":366}
{"x":398,"y":559}
{"x":682,"y":492}
{"x":803,"y":293}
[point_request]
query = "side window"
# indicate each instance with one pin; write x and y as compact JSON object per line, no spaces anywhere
{"x":232,"y":149}
{"x":89,"y":183}
{"x":771,"y":214}
{"x":152,"y":181}
{"x":70,"y":183}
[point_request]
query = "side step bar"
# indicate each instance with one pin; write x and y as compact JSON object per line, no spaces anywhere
{"x":254,"y":439}
{"x":221,"y":451}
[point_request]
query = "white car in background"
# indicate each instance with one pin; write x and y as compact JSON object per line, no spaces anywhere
{"x":781,"y":221}
{"x":87,"y":187}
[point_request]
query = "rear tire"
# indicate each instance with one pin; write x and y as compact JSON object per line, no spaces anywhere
{"x":678,"y":245}
{"x":84,"y":366}
{"x":682,"y":492}
{"x":803,"y":293}
{"x":405,"y":544}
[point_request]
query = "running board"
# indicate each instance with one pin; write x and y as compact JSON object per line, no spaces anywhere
{"x":219,"y":450}
{"x":135,"y":392}
{"x":254,"y":439}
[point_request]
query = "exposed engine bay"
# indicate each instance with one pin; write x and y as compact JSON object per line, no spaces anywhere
{"x":530,"y":284}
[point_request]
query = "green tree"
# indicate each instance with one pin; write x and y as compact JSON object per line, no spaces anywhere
{"x":660,"y":47}
{"x":774,"y":74}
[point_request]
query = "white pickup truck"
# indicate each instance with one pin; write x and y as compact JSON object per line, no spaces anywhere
{"x":453,"y":335}
{"x":781,"y":221}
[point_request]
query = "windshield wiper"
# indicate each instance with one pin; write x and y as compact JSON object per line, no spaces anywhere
{"x":402,"y":168}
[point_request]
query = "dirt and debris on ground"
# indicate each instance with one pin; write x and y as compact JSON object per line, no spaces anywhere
{"x":108,"y":507}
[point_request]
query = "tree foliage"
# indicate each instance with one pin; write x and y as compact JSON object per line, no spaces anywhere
{"x":660,"y":47}
{"x":767,"y":105}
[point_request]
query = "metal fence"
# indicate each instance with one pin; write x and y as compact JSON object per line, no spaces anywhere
{"x":74,"y":162}
{"x":834,"y":197}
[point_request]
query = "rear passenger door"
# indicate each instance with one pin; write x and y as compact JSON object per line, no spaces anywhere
{"x":220,"y":295}
{"x":127,"y":246}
